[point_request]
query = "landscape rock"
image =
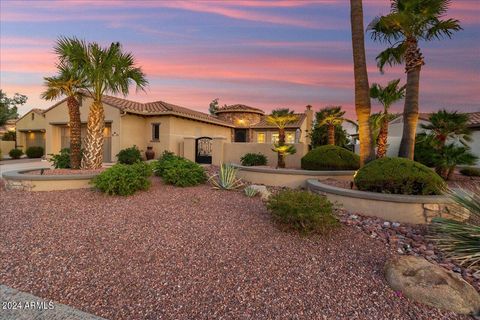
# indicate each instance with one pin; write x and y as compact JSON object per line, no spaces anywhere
{"x":262,"y":190}
{"x":425,"y":282}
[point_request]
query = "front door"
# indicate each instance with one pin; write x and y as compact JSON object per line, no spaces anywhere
{"x":240,"y":135}
{"x":203,"y":150}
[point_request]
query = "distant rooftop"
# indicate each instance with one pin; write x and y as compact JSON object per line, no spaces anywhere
{"x":239,"y":108}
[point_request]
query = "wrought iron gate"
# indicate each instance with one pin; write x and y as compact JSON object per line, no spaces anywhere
{"x":203,"y":150}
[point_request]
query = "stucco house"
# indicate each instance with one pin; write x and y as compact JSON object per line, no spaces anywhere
{"x":160,"y":125}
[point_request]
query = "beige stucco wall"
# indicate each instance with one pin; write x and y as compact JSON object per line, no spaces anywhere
{"x":475,"y":144}
{"x":234,"y":151}
{"x":37,"y":125}
{"x":395,"y":132}
{"x":5,"y":147}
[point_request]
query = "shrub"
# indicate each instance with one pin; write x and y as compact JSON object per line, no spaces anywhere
{"x":470,"y":172}
{"x":9,"y":136}
{"x":303,"y":211}
{"x":254,"y":159}
{"x":250,"y":191}
{"x":123,"y":180}
{"x":398,"y":176}
{"x":34,"y":152}
{"x":330,"y":157}
{"x":61,"y":160}
{"x":179,"y":171}
{"x":226,"y":179}
{"x":425,"y":152}
{"x":129,"y":155}
{"x":15,"y":153}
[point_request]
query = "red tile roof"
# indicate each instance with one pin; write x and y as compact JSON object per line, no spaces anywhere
{"x":239,"y":108}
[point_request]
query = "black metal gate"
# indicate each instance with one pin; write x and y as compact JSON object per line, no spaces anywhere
{"x":203,"y":150}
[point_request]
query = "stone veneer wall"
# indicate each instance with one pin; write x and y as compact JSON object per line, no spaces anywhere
{"x":249,"y":118}
{"x":22,"y":185}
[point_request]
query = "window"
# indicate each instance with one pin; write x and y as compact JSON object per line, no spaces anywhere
{"x":33,"y":116}
{"x":155,"y":131}
{"x":274,"y":137}
{"x":289,"y":137}
{"x":261,"y":137}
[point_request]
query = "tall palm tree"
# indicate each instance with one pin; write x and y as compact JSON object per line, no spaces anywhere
{"x":68,"y":82}
{"x":408,"y":22}
{"x":445,"y":125}
{"x":362,"y":97}
{"x":281,"y":118}
{"x":331,"y":117}
{"x":387,"y":96}
{"x":106,"y":70}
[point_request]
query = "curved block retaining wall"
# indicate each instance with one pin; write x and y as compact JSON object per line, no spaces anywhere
{"x":392,"y":207}
{"x":21,"y":180}
{"x":291,"y":178}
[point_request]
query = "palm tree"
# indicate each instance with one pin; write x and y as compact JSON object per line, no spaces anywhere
{"x":386,"y":96}
{"x":331,"y":117}
{"x":408,"y":22}
{"x":281,"y":118}
{"x":446,"y":125}
{"x":68,"y":82}
{"x":362,"y":98}
{"x":106,"y":70}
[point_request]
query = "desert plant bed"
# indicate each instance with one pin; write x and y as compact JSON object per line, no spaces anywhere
{"x":191,"y":253}
{"x":56,"y":172}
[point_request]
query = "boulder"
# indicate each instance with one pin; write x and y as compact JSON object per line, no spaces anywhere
{"x":262,"y":190}
{"x":425,"y":282}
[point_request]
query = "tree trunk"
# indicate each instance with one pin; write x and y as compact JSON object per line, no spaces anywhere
{"x":331,"y":134}
{"x":281,"y":142}
{"x":413,"y":65}
{"x":382,"y":138}
{"x":362,"y":89}
{"x":93,"y":154}
{"x":75,"y":132}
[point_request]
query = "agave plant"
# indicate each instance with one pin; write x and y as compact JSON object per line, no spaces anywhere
{"x":226,"y":179}
{"x":250,"y":191}
{"x":459,"y":239}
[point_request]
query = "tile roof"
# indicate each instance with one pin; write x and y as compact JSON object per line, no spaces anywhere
{"x":239,"y":108}
{"x":474,"y":119}
{"x":263,"y":124}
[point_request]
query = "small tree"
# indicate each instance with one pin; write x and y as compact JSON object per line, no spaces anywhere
{"x":331,"y":117}
{"x":281,"y":118}
{"x":213,"y":106}
{"x":8,"y":106}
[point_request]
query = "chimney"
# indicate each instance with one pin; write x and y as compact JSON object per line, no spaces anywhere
{"x":309,"y":123}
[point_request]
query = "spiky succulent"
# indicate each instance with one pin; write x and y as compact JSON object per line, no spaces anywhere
{"x":226,"y":179}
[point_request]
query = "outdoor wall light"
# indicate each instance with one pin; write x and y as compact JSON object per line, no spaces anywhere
{"x":115,"y":134}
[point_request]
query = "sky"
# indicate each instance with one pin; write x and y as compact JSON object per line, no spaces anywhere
{"x":266,"y":54}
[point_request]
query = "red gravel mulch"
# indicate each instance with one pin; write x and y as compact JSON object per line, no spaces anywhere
{"x":191,"y":253}
{"x":54,"y":172}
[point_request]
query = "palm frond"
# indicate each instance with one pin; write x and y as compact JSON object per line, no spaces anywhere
{"x":392,"y":56}
{"x":442,"y":28}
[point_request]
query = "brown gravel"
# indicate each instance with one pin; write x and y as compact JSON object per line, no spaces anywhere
{"x":191,"y":253}
{"x":54,"y":172}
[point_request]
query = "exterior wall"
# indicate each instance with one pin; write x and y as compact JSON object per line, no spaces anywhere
{"x":475,"y":144}
{"x":5,"y":147}
{"x":234,"y":151}
{"x":37,"y":126}
{"x":395,"y":132}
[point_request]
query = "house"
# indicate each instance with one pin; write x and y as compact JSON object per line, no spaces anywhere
{"x":160,"y":125}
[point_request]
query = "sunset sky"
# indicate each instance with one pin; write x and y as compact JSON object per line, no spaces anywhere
{"x":265,"y":54}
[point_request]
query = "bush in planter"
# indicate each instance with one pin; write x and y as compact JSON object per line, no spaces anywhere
{"x":124,"y":180}
{"x":129,"y":155}
{"x":330,"y":157}
{"x":470,"y":172}
{"x":254,"y":159}
{"x":398,"y":176}
{"x":303,"y":211}
{"x":61,"y":160}
{"x":179,"y":171}
{"x":15,"y":153}
{"x":34,"y":152}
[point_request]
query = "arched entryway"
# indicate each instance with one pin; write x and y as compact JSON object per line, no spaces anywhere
{"x":203,"y":150}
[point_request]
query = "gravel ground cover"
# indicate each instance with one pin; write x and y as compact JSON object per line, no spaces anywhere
{"x":54,"y":172}
{"x":192,"y":253}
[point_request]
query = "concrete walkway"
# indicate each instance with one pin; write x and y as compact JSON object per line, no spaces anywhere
{"x":21,"y":164}
{"x":35,"y":308}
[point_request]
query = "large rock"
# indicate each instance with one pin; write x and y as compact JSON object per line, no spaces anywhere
{"x":430,"y":284}
{"x":262,"y":190}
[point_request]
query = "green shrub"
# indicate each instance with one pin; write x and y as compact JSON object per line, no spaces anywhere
{"x":425,"y":152}
{"x":330,"y":157}
{"x":61,"y":160}
{"x":123,"y":180}
{"x":179,"y":171}
{"x":15,"y":153}
{"x":470,"y":172}
{"x":226,"y":179}
{"x":9,"y":136}
{"x":254,"y":159}
{"x":303,"y":211}
{"x":129,"y":155}
{"x":34,"y":152}
{"x":398,"y":176}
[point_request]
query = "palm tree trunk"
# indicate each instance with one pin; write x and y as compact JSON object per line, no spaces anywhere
{"x":331,"y":134}
{"x":75,"y":132}
{"x":281,"y":142}
{"x":413,"y":62}
{"x":382,"y":138}
{"x":362,"y":89}
{"x":93,"y":154}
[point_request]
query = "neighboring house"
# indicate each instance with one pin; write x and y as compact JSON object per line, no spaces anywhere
{"x":160,"y":125}
{"x":31,"y":129}
{"x":395,"y":131}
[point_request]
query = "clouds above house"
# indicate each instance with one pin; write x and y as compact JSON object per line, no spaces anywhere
{"x":262,"y":53}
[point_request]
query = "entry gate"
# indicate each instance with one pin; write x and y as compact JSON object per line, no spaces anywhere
{"x":203,"y":150}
